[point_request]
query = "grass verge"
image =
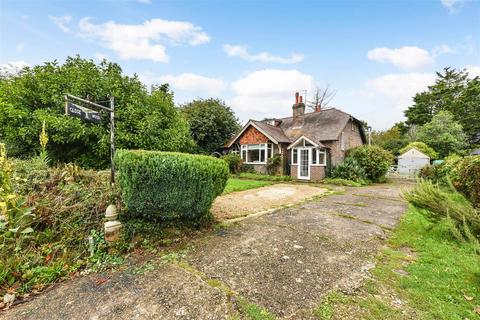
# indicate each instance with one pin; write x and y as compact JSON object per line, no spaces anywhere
{"x":423,"y":274}
{"x":234,"y":184}
{"x":263,"y":177}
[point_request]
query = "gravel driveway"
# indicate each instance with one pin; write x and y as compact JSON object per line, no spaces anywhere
{"x":284,"y":261}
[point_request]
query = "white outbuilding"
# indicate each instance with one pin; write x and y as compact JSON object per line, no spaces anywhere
{"x":411,"y":161}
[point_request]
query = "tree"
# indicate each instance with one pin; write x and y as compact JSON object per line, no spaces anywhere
{"x":443,"y":134}
{"x":422,"y":147}
{"x":392,"y":139}
{"x":321,"y":98}
{"x":212,"y":123}
{"x":453,"y":91}
{"x":147,"y":120}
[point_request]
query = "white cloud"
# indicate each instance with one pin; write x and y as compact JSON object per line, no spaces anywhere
{"x":453,"y":5}
{"x":192,"y":82}
{"x":442,"y":49}
{"x":146,"y":40}
{"x":242,"y":52}
{"x":62,"y":22}
{"x":400,"y":88}
{"x":473,"y":71}
{"x":269,"y":92}
{"x":407,"y":57}
{"x":13,"y":67}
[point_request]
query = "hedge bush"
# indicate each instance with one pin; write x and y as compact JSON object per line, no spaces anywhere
{"x":349,"y":169}
{"x":465,"y":176}
{"x":373,"y":159}
{"x":167,"y":185}
{"x":234,"y":162}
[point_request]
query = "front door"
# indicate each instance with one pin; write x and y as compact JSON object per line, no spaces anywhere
{"x":304,"y":163}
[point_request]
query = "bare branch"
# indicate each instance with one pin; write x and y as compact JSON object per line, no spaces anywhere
{"x":321,"y":98}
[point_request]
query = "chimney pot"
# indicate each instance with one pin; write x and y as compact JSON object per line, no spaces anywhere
{"x":296,"y":97}
{"x":301,"y":98}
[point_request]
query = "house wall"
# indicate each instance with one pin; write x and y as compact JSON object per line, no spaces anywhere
{"x":252,"y":136}
{"x":352,"y":139}
{"x":316,"y":172}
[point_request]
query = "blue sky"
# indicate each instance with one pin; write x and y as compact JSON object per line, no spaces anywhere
{"x":256,"y":54}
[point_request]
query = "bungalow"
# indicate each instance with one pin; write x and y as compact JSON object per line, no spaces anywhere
{"x":308,"y":143}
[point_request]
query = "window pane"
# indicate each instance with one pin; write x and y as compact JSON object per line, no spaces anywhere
{"x":253,"y":155}
{"x":262,"y":155}
{"x":270,"y":150}
{"x":322,"y":158}
{"x":244,"y":155}
{"x":308,"y":144}
{"x":314,"y":156}
{"x":294,"y":156}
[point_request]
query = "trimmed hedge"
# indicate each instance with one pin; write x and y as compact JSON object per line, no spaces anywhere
{"x":374,"y":160}
{"x":167,"y":185}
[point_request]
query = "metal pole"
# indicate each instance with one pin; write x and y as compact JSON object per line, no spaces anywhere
{"x":112,"y":140}
{"x":66,"y":105}
{"x":369,"y":135}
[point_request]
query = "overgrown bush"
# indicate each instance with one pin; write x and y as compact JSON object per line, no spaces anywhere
{"x":349,"y":169}
{"x":273,"y":164}
{"x":165,"y":185}
{"x":67,"y":204}
{"x":374,"y":160}
{"x":234,"y":162}
{"x":247,"y":168}
{"x":442,"y":203}
{"x":465,"y":176}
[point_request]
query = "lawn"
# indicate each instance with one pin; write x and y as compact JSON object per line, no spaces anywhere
{"x":234,"y":184}
{"x":424,"y":272}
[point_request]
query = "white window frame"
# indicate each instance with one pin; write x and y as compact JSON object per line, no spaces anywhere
{"x":261,"y":146}
{"x":312,"y":149}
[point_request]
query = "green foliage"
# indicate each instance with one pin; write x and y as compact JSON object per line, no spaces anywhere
{"x":422,"y":147}
{"x":274,"y":164}
{"x":247,"y":168}
{"x":165,"y":185}
{"x":67,"y":204}
{"x":442,"y":203}
{"x":212,"y":123}
{"x":465,"y":176}
{"x":392,"y":139}
{"x":453,"y":91}
{"x":234,"y":162}
{"x":374,"y":160}
{"x":263,"y":177}
{"x":349,"y":169}
{"x":234,"y":185}
{"x":326,"y":310}
{"x":443,"y":134}
{"x":147,"y":120}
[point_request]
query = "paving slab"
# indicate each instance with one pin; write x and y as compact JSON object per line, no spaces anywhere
{"x":284,"y":261}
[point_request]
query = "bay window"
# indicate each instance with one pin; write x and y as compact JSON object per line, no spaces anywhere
{"x":256,"y":153}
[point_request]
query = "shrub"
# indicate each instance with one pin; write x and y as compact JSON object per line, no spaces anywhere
{"x":442,"y":203}
{"x":166,"y":185}
{"x":374,"y":160}
{"x":349,"y":169}
{"x":247,"y":168}
{"x":465,"y":176}
{"x":422,"y":147}
{"x":273,"y":164}
{"x":234,"y":162}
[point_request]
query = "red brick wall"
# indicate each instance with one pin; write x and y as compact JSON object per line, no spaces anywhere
{"x":316,"y":172}
{"x":252,"y":136}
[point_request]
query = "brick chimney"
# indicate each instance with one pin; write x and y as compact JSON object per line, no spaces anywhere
{"x":318,"y":108}
{"x":298,"y":110}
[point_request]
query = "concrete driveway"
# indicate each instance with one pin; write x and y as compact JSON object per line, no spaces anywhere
{"x":284,"y":262}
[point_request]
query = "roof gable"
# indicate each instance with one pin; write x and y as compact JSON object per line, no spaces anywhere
{"x":413,"y":153}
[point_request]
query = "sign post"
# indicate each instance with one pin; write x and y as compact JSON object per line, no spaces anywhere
{"x":89,"y":115}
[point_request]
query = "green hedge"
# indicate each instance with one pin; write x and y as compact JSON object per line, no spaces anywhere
{"x":374,"y":160}
{"x":465,"y":176}
{"x":166,"y":185}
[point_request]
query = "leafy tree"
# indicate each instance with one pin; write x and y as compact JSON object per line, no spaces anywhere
{"x":443,"y":134}
{"x":147,"y":120}
{"x":211,"y":122}
{"x":422,"y":147}
{"x":392,"y":139}
{"x":453,"y":91}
